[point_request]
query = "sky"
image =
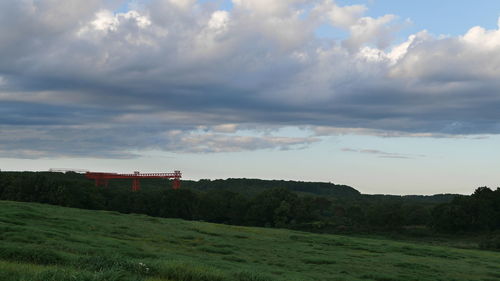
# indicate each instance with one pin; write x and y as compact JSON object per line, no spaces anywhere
{"x":387,"y":96}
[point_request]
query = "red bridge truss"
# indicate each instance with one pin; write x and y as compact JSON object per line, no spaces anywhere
{"x":102,"y":179}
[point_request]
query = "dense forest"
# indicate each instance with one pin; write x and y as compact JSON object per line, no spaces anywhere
{"x":317,"y":207}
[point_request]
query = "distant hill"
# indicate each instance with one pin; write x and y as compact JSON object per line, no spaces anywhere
{"x":253,"y":186}
{"x":437,"y":198}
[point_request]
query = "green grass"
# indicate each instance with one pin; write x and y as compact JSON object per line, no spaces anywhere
{"x":44,"y":243}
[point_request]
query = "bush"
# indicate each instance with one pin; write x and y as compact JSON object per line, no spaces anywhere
{"x":490,"y":243}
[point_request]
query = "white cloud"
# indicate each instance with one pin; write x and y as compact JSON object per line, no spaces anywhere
{"x":465,"y":60}
{"x":340,"y":16}
{"x":225,"y":128}
{"x":105,"y":20}
{"x":378,"y":31}
{"x":481,"y":38}
{"x":268,"y":8}
{"x":400,"y":50}
{"x":183,"y":4}
{"x":219,"y":20}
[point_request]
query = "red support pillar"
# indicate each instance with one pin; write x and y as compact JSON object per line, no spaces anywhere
{"x":136,"y":184}
{"x":176,"y":184}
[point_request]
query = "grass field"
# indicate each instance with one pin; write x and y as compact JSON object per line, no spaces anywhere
{"x":50,"y":243}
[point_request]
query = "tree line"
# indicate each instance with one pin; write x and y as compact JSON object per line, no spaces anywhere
{"x":270,"y":207}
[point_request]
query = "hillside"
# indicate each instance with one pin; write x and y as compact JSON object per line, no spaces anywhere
{"x":253,"y":186}
{"x":44,"y":242}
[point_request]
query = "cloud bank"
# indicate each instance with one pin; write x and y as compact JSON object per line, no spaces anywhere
{"x":78,"y":78}
{"x":381,"y":154}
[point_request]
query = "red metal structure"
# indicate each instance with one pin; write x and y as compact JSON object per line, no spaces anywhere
{"x":102,"y":179}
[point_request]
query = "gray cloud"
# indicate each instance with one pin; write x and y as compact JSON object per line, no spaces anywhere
{"x":121,"y":141}
{"x":382,"y":154}
{"x":79,"y":79}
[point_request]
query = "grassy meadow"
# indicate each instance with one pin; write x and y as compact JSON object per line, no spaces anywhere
{"x":50,"y":243}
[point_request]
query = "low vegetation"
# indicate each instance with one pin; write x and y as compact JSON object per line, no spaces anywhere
{"x":43,"y":243}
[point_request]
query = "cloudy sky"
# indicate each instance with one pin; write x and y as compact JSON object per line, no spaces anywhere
{"x":387,"y":96}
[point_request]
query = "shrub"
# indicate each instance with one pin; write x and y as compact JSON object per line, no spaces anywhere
{"x":490,"y":243}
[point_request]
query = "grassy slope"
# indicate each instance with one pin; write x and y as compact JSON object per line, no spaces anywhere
{"x":42,"y":242}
